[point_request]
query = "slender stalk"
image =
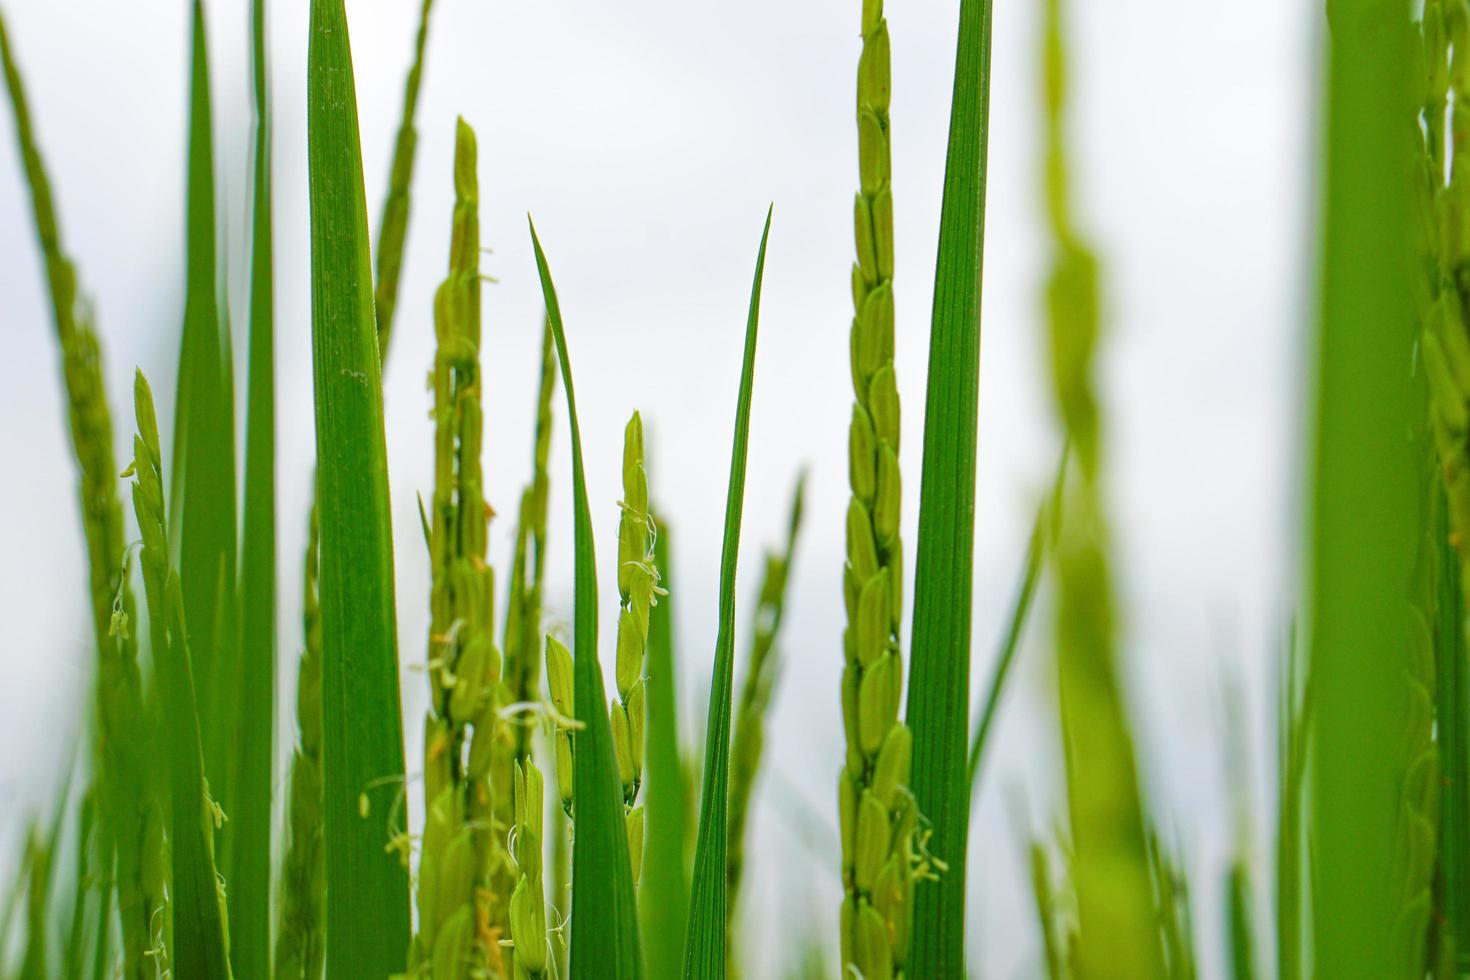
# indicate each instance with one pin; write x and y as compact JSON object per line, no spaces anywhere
{"x":761,"y":672}
{"x":1020,"y":612}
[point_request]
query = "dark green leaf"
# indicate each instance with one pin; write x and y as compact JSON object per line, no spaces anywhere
{"x":367,"y":920}
{"x":203,"y":476}
{"x":939,"y":678}
{"x":249,"y":868}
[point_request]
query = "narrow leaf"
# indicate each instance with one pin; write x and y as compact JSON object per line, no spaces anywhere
{"x":367,"y":918}
{"x":605,"y":940}
{"x":249,"y":868}
{"x":663,"y":894}
{"x":762,"y":669}
{"x":299,"y":944}
{"x":1362,"y":498}
{"x":1015,"y":625}
{"x":939,"y":677}
{"x":704,"y":952}
{"x":204,"y":485}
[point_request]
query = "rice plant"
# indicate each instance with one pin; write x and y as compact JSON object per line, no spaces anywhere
{"x":557,"y":824}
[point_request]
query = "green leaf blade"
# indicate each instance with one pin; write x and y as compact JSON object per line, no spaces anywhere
{"x":249,"y":870}
{"x":663,"y":894}
{"x":939,"y":673}
{"x":1362,"y":504}
{"x":704,"y":951}
{"x":362,"y":736}
{"x":203,"y":477}
{"x":605,"y":940}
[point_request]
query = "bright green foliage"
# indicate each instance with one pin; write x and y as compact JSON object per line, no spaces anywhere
{"x":761,"y":671}
{"x":704,"y":949}
{"x":638,"y":591}
{"x":605,"y":940}
{"x":249,"y":871}
{"x":127,"y":828}
{"x":200,"y":937}
{"x":939,"y":682}
{"x":663,"y":892}
{"x":394,"y":228}
{"x":1117,"y":935}
{"x":204,"y":484}
{"x":876,"y":876}
{"x":1360,"y":571}
{"x":299,"y":938}
{"x":459,"y":848}
{"x":362,"y":738}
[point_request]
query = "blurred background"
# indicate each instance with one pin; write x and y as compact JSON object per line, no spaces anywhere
{"x":647,"y":138}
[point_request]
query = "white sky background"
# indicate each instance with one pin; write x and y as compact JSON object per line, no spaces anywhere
{"x":647,"y":138}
